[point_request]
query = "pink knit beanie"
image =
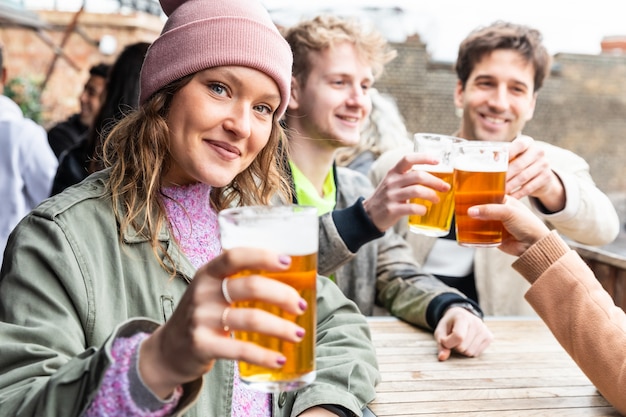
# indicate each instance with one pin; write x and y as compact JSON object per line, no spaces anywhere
{"x":201,"y":34}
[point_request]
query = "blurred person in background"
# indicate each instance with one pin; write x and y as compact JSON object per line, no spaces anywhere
{"x":121,"y":95}
{"x":67,"y":133}
{"x":27,"y":164}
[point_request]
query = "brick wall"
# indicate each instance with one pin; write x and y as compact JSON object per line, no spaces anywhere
{"x":28,"y":54}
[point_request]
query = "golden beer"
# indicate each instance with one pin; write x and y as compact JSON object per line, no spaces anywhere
{"x":479,"y":178}
{"x":289,"y":230}
{"x":300,"y":356}
{"x":474,"y":188}
{"x":438,"y":217}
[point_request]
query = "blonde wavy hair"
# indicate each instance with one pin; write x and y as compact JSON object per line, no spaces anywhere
{"x":324,"y":31}
{"x":138,"y":153}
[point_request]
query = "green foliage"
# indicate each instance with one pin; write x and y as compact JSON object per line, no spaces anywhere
{"x":26,"y":93}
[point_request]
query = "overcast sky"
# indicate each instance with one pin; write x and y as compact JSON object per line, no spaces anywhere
{"x":574,"y":26}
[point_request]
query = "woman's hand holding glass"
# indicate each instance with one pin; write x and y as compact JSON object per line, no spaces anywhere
{"x":524,"y":227}
{"x":198,"y":333}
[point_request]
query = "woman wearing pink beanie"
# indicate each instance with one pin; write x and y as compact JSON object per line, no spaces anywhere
{"x":111,"y":300}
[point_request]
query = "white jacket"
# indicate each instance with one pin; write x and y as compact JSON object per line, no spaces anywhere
{"x":589,"y":217}
{"x":27,"y":167}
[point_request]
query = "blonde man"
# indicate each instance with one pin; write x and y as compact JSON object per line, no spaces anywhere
{"x":336,"y":62}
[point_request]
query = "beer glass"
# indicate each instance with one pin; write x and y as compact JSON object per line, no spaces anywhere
{"x":438,"y":217}
{"x":479,"y":178}
{"x":290,"y":230}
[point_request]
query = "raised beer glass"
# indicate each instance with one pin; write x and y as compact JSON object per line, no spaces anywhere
{"x":438,"y":217}
{"x":290,"y":230}
{"x":479,"y":178}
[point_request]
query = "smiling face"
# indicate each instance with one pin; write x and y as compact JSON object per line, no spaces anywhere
{"x":91,"y":99}
{"x":333,"y":104}
{"x":218,"y":124}
{"x":498,"y":98}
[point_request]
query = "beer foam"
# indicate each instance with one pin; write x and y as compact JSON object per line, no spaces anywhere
{"x":471,"y":164}
{"x":433,"y":168}
{"x":279,"y":231}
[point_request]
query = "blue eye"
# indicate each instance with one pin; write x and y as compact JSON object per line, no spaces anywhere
{"x":262,"y":108}
{"x":217,"y":88}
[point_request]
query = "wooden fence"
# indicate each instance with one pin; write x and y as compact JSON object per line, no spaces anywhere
{"x":609,"y":268}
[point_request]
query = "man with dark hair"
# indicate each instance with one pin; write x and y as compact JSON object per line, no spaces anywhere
{"x":500,"y":69}
{"x":122,"y":95}
{"x":27,"y":164}
{"x":69,"y":132}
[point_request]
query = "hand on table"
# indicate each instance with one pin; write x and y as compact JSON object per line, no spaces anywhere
{"x":390,"y":199}
{"x":198,"y":333}
{"x":463,"y":332}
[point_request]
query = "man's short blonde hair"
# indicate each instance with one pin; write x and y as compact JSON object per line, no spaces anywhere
{"x":323,"y":32}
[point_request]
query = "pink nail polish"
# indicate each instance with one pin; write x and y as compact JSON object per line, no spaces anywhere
{"x":300,"y":333}
{"x":281,"y":361}
{"x":302,"y":304}
{"x":284,"y":259}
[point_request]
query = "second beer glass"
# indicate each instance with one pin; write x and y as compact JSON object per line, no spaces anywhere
{"x":479,"y":178}
{"x":288,"y":230}
{"x":438,"y":217}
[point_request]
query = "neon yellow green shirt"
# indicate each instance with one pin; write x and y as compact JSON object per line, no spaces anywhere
{"x":307,"y":195}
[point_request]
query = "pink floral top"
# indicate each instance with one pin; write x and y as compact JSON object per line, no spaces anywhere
{"x":194,"y":225}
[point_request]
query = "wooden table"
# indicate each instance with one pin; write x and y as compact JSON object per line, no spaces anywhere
{"x":525,"y":372}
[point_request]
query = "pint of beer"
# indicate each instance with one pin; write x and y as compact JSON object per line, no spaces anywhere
{"x":438,"y":217}
{"x":290,"y":230}
{"x":479,"y":178}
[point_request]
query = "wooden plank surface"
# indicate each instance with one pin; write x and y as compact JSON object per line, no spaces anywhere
{"x":525,"y":372}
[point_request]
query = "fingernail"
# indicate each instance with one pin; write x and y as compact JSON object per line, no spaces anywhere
{"x":302,"y":304}
{"x":281,"y":361}
{"x":300,"y":333}
{"x":284,"y":259}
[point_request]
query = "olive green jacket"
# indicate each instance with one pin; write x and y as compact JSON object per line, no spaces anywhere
{"x":68,"y":287}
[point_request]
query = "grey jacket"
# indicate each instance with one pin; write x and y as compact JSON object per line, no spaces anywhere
{"x":375,"y":270}
{"x":68,"y":287}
